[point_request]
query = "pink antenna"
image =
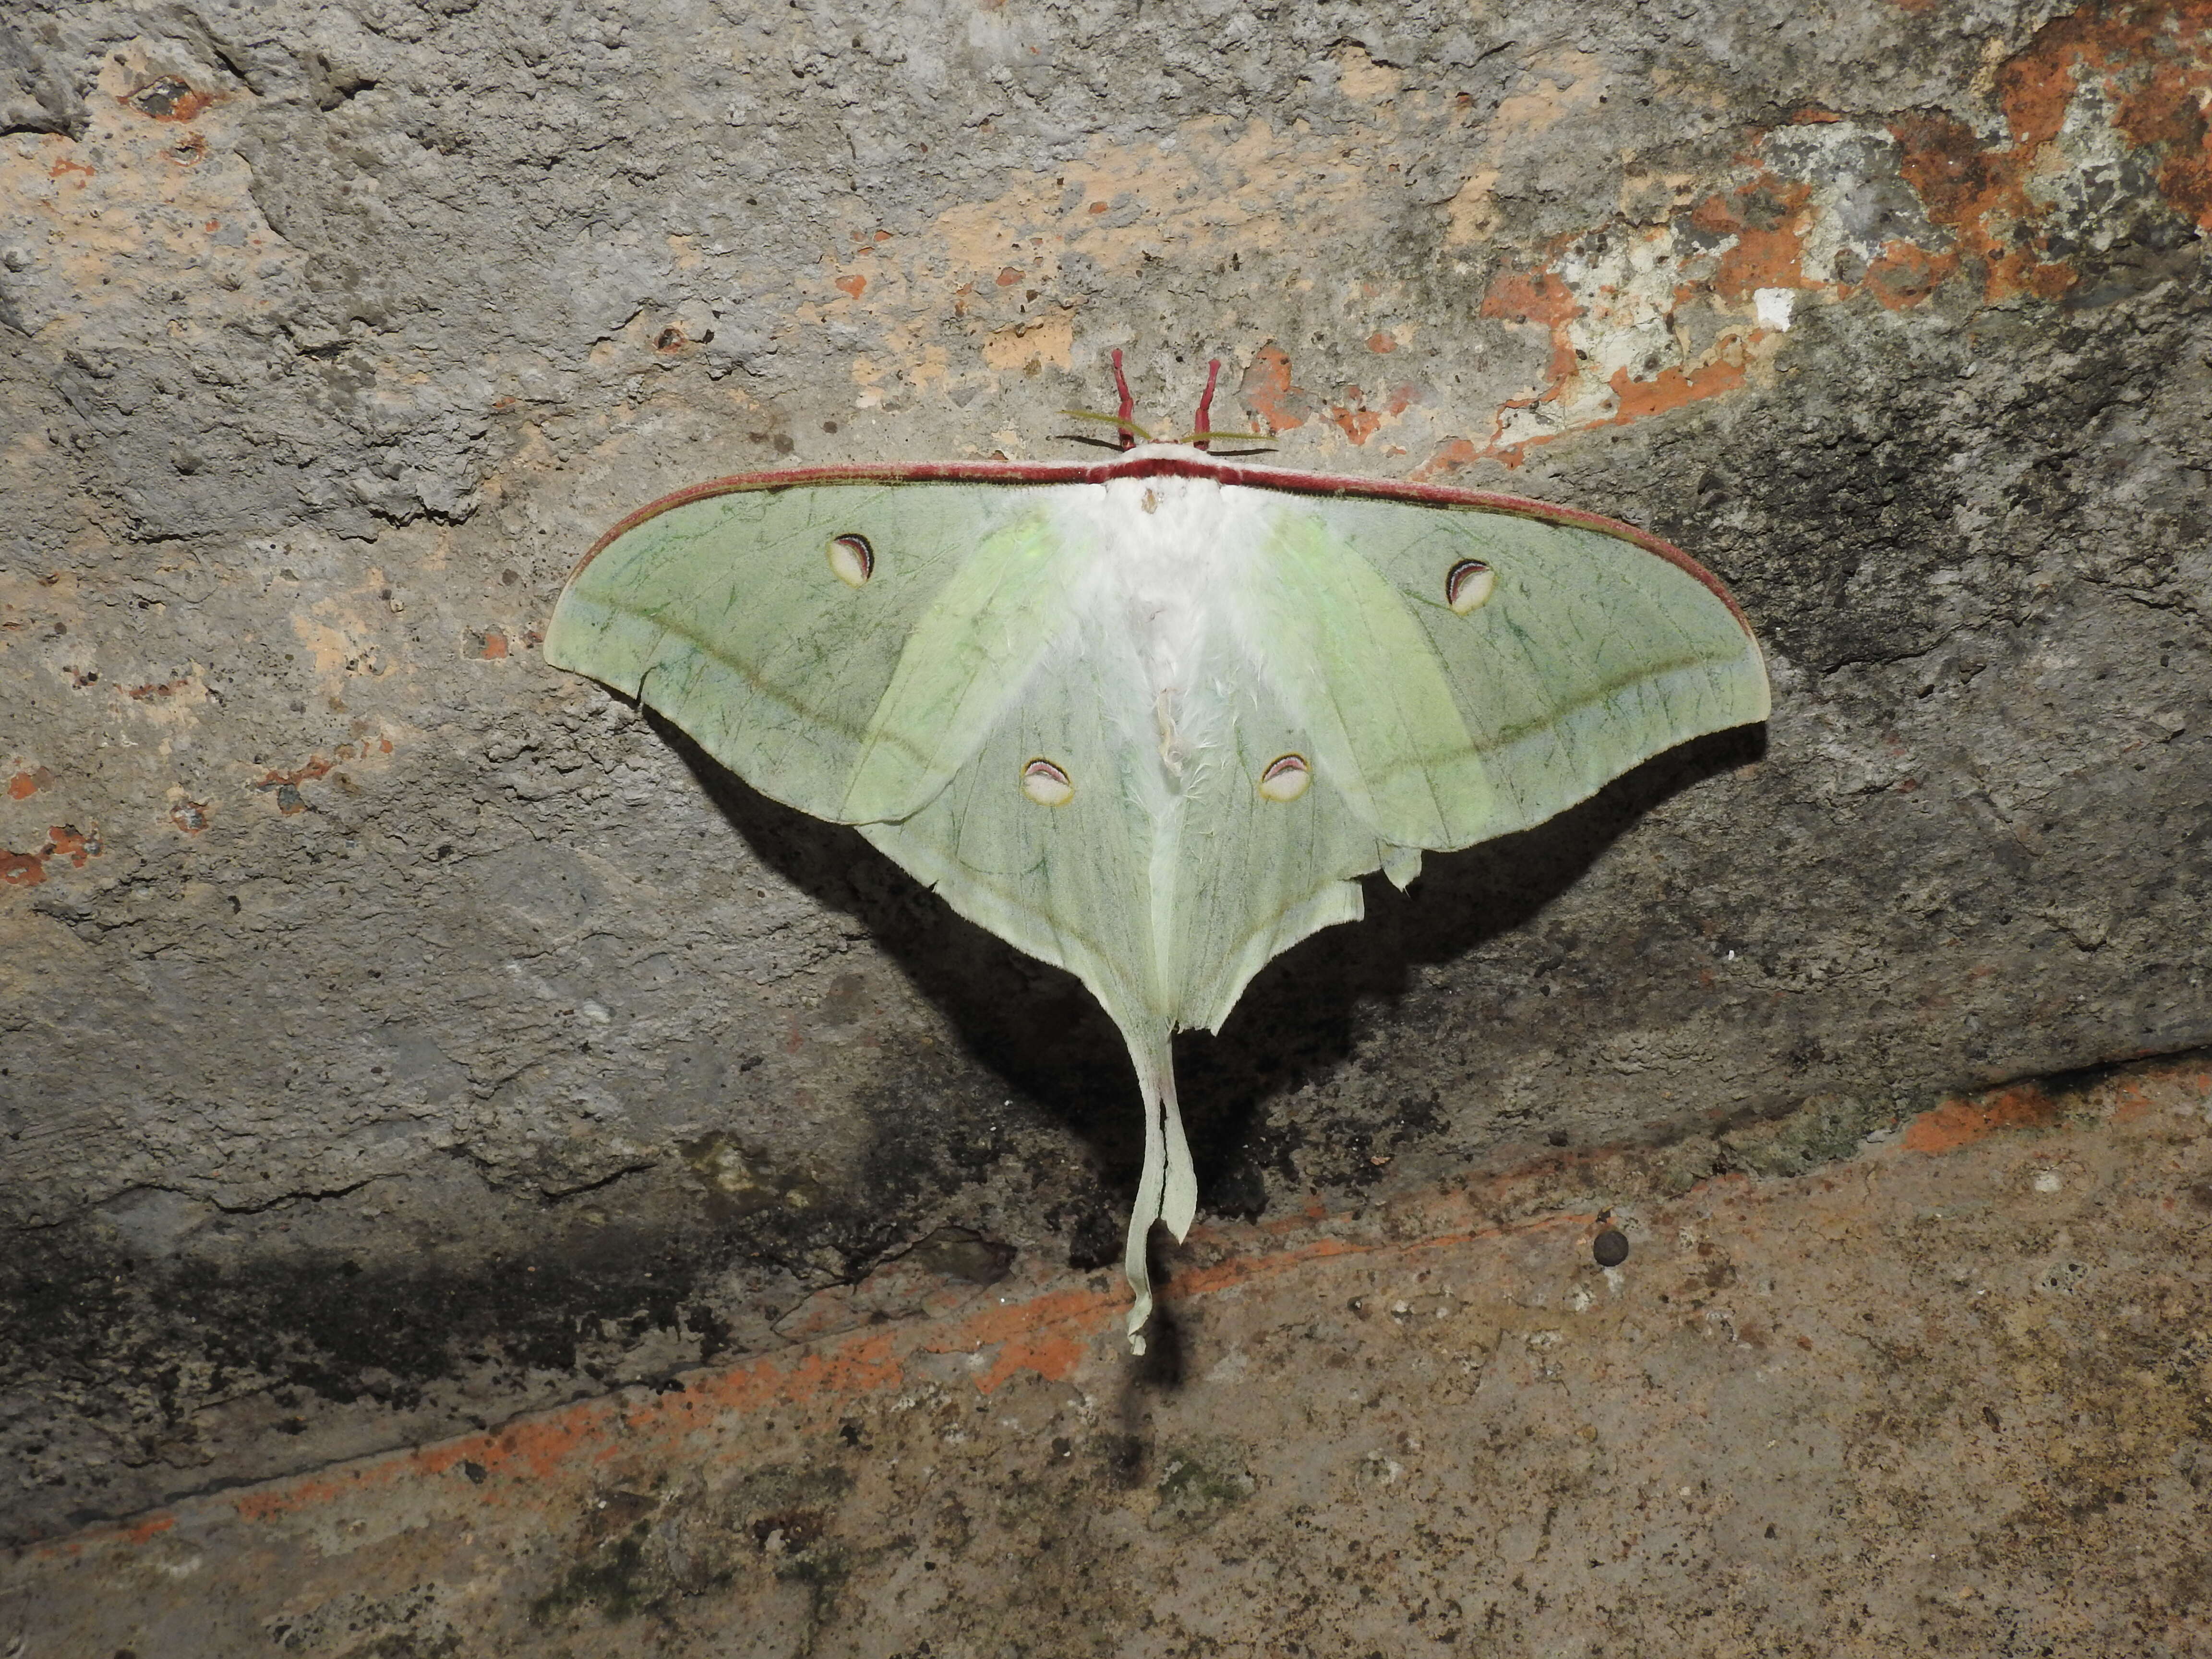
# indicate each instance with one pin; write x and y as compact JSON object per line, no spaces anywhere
{"x":1204,"y":420}
{"x":1128,"y":409}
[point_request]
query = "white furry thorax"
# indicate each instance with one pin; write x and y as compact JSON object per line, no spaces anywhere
{"x":1172,"y":556}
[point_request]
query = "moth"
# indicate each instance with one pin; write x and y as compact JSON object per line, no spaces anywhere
{"x":1150,"y":718}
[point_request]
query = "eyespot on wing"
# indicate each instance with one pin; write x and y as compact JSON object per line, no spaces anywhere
{"x":1046,"y":784}
{"x":850,"y":558}
{"x":1468,"y":586}
{"x":1286,"y":778}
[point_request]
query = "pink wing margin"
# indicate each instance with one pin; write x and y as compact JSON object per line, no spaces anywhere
{"x":1192,"y":464}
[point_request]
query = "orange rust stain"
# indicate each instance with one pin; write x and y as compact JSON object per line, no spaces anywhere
{"x":2035,"y":86}
{"x":1905,"y":274}
{"x":542,"y":1447}
{"x":1768,"y":256}
{"x":1383,"y":341}
{"x":1053,"y":1357}
{"x":1451,"y":456}
{"x":289,"y":800}
{"x":167,"y":99}
{"x":2131,"y":1104}
{"x":163,"y":688}
{"x":537,"y":1450}
{"x":2151,"y":61}
{"x":849,"y":1365}
{"x":191,"y":817}
{"x":1359,"y":422}
{"x":24,"y":785}
{"x":287,"y":784}
{"x":2165,"y":111}
{"x":68,"y":164}
{"x":1240,"y":1269}
{"x":1008,"y":275}
{"x":1960,"y":1123}
{"x":1714,"y":217}
{"x":300,"y":1494}
{"x":1267,"y":391}
{"x":1981,"y":197}
{"x":1671,"y":388}
{"x":490,"y":645}
{"x":66,"y":841}
{"x":854,"y":285}
{"x":1543,"y":299}
{"x":151,"y":1528}
{"x":316,"y":769}
{"x":22,"y":869}
{"x":858,"y":1365}
{"x":1048,"y":1335}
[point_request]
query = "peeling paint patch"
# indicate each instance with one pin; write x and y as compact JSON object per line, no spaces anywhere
{"x":1267,"y":391}
{"x":1613,"y":308}
{"x":167,"y":98}
{"x":64,"y":840}
{"x":1360,"y":421}
{"x":24,"y":785}
{"x":1828,"y":208}
{"x":285,"y":785}
{"x":1960,"y":1123}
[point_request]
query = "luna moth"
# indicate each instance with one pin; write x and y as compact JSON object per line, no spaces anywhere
{"x":1148,"y":719}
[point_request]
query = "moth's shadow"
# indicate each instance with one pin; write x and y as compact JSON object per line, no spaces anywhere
{"x":1038,"y":1028}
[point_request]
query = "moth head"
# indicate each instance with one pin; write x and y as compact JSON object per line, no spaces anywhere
{"x":1202,"y":436}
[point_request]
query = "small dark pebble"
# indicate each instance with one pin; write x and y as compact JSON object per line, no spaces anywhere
{"x":1610,"y":1248}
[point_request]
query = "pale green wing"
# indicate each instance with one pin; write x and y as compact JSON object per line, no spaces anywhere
{"x":1251,"y":875}
{"x":1067,"y":884}
{"x":1071,"y":883}
{"x":728,"y":615}
{"x":1158,"y":857}
{"x":1590,"y":654}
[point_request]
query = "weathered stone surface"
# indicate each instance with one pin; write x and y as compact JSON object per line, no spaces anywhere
{"x":1952,"y":1394}
{"x":399,"y":1034}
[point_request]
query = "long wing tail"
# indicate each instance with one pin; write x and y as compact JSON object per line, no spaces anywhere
{"x":1168,"y":1189}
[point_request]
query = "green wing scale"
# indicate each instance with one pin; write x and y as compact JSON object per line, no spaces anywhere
{"x":1149,"y":721}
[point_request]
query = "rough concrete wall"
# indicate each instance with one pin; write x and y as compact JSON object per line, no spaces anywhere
{"x":1952,"y":1395}
{"x":399,"y":1033}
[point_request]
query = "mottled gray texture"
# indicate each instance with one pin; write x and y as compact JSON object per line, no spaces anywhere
{"x":399,"y":1033}
{"x":1953,"y":1395}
